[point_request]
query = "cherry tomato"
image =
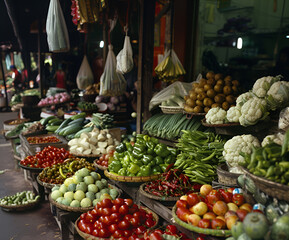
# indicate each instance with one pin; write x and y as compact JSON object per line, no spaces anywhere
{"x":127,"y":233}
{"x":104,"y":233}
{"x":135,"y":221}
{"x":118,"y":201}
{"x":140,"y":230}
{"x":115,"y":208}
{"x":113,"y":227}
{"x":155,"y":236}
{"x":115,"y":217}
{"x":106,"y":212}
{"x":128,"y":202}
{"x":123,"y":209}
{"x":106,"y":203}
{"x":149,"y":223}
{"x":124,"y":225}
{"x":118,"y":233}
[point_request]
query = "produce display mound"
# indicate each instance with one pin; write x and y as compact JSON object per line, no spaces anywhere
{"x":204,"y":123}
{"x":91,"y":237}
{"x":225,"y":177}
{"x":37,"y":170}
{"x":206,"y":231}
{"x":119,"y":178}
{"x":158,"y":198}
{"x":171,"y":110}
{"x":77,"y":209}
{"x":11,"y":124}
{"x":103,"y":168}
{"x":273,"y":189}
{"x":22,"y":207}
{"x":46,"y":185}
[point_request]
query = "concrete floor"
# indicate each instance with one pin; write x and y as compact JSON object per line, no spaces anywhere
{"x":37,"y":223}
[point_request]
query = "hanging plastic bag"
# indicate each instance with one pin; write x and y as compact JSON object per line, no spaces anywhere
{"x":124,"y":60}
{"x":57,"y":34}
{"x":178,"y":88}
{"x":112,"y":83}
{"x":85,"y":76}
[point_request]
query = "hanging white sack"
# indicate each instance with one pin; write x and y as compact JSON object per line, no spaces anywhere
{"x":112,"y":83}
{"x":57,"y":34}
{"x":85,"y":76}
{"x":124,"y":59}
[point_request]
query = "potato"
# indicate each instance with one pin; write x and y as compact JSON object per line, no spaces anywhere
{"x":198,"y":109}
{"x":211,"y":93}
{"x":206,"y":109}
{"x":230,"y":99}
{"x":211,"y":81}
{"x":199,"y":90}
{"x":218,"y":88}
{"x":227,"y":90}
{"x":203,"y":82}
{"x":236,"y":83}
{"x":228,"y":78}
{"x":186,"y":97}
{"x":216,"y":105}
{"x":208,"y":102}
{"x":219,"y":98}
{"x":195,"y":84}
{"x":193,"y":95}
{"x":201,"y":96}
{"x":199,"y":103}
{"x":225,"y":105}
{"x":208,"y":86}
{"x":235,"y":89}
{"x":210,"y":74}
{"x":220,"y":81}
{"x":188,"y":109}
{"x":190,"y":102}
{"x":218,"y":76}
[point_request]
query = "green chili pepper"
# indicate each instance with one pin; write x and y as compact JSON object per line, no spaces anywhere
{"x":270,"y":172}
{"x":133,"y":168}
{"x":120,"y":148}
{"x":284,"y":164}
{"x":114,"y":166}
{"x":122,"y":172}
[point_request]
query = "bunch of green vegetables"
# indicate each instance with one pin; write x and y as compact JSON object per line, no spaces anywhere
{"x":145,"y":157}
{"x":19,"y":198}
{"x":169,"y":126}
{"x":270,"y":161}
{"x":102,"y":121}
{"x":200,"y":155}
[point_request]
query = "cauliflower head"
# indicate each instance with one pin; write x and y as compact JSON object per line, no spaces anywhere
{"x":262,"y":85}
{"x":244,"y":97}
{"x":278,"y":95}
{"x":275,"y":138}
{"x":236,"y":145}
{"x":233,"y":114}
{"x":252,"y":111}
{"x":216,"y":116}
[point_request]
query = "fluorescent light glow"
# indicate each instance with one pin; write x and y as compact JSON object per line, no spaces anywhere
{"x":287,"y":36}
{"x":239,"y":43}
{"x":101,"y":44}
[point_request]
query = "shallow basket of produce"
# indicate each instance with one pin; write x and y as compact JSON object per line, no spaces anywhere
{"x":206,"y":231}
{"x":103,"y":168}
{"x":273,"y":189}
{"x":225,"y":177}
{"x":171,"y":110}
{"x":36,"y":170}
{"x":119,"y":178}
{"x":78,"y":209}
{"x":158,"y":198}
{"x":11,"y":124}
{"x":90,"y":158}
{"x":20,"y":201}
{"x":46,"y":185}
{"x":91,"y":237}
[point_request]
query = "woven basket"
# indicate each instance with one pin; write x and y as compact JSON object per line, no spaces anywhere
{"x":271,"y":188}
{"x":225,"y":177}
{"x":22,"y":207}
{"x":36,"y":170}
{"x":119,"y":178}
{"x":90,"y":237}
{"x":46,"y":185}
{"x":206,"y":231}
{"x":171,"y":110}
{"x":77,"y":209}
{"x":158,"y":198}
{"x":99,"y":166}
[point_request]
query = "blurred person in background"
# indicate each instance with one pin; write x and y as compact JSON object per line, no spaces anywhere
{"x":18,"y":85}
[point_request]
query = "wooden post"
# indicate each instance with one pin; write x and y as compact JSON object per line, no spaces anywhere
{"x":40,"y":59}
{"x":145,"y":61}
{"x":4,"y":79}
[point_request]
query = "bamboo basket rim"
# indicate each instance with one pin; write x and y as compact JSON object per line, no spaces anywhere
{"x":77,"y":209}
{"x":151,"y":196}
{"x":91,"y":237}
{"x":171,"y":110}
{"x":119,"y":178}
{"x":207,"y":231}
{"x":204,"y":123}
{"x":222,"y":170}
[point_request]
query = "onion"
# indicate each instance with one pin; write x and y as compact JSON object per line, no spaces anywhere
{"x":110,"y":106}
{"x":102,"y":107}
{"x":114,"y":100}
{"x":98,"y":99}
